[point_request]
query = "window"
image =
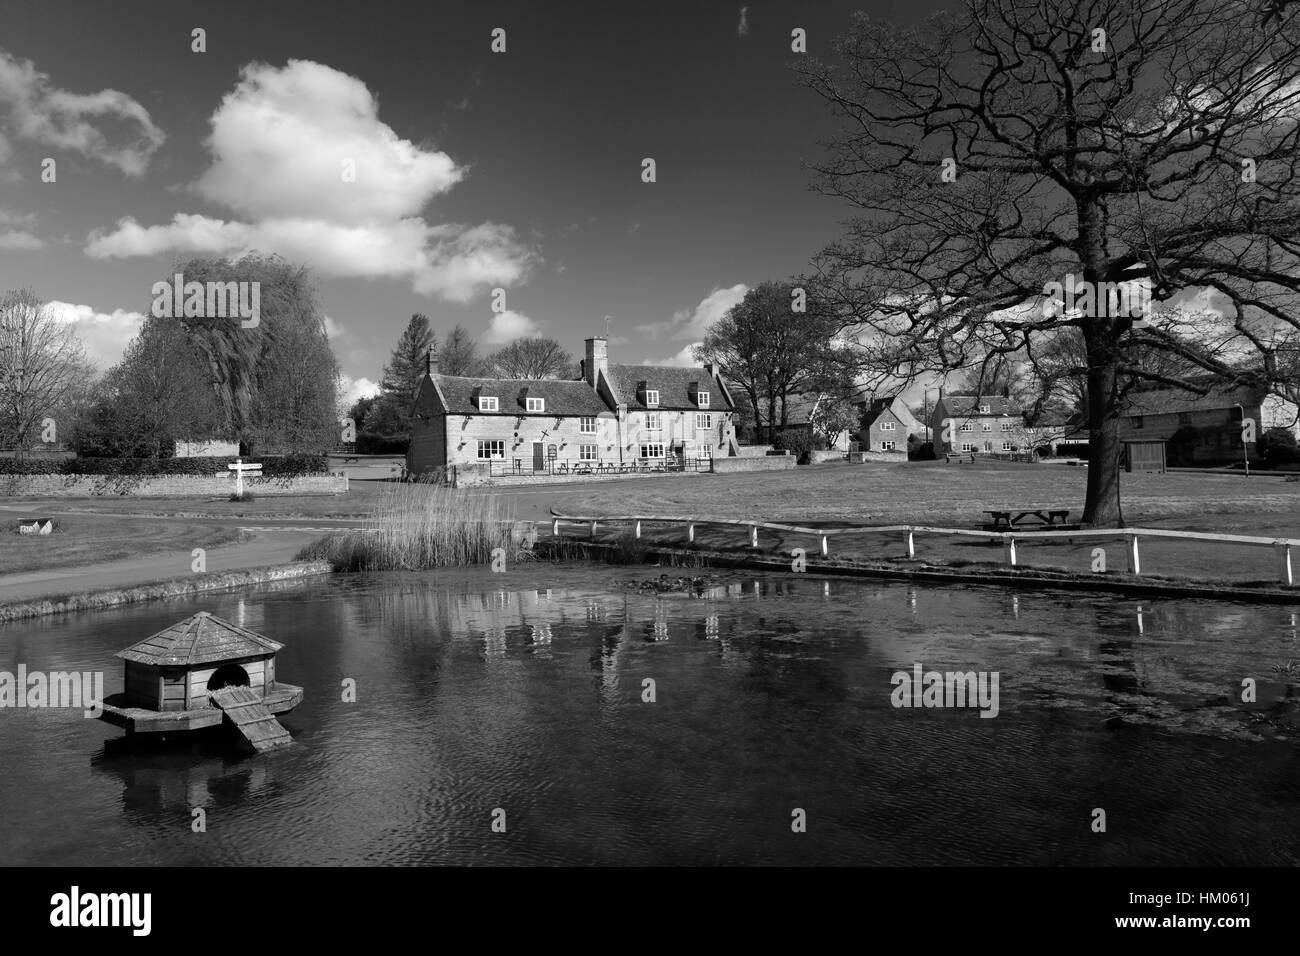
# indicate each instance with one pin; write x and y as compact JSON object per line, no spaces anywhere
{"x":986,"y":409}
{"x":886,"y":426}
{"x":987,"y":426}
{"x":1136,"y":421}
{"x":1006,"y":426}
{"x":535,"y":404}
{"x":655,"y":450}
{"x":703,"y":420}
{"x":702,"y":399}
{"x":966,"y":427}
{"x":651,"y":397}
{"x":967,"y":446}
{"x":588,"y":452}
{"x":652,"y":421}
{"x":706,"y":451}
{"x":487,"y":403}
{"x":587,"y":425}
{"x":1006,"y":446}
{"x":886,"y":446}
{"x":491,"y":448}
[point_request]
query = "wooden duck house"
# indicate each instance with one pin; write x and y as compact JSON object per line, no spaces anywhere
{"x":200,"y":673}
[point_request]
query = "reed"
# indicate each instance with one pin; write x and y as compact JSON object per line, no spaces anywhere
{"x":420,"y":525}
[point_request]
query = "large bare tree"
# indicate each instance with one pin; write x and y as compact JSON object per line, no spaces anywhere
{"x":42,"y":363}
{"x":1127,"y":144}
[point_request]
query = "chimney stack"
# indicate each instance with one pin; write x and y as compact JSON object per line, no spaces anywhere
{"x":430,"y":363}
{"x":597,"y":360}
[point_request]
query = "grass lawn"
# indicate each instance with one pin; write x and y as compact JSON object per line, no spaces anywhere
{"x":933,"y":493}
{"x":80,"y":541}
{"x":358,"y":502}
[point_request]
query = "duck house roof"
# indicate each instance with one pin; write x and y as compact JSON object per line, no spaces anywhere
{"x":201,"y":639}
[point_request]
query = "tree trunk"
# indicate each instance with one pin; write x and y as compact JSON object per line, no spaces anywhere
{"x":1101,"y":508}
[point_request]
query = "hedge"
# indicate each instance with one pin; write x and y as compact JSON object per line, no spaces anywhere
{"x":273,"y":466}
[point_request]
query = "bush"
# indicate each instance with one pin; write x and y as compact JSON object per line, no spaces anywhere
{"x":797,"y":442}
{"x":273,"y":466}
{"x":922,"y":452}
{"x":1278,"y":446}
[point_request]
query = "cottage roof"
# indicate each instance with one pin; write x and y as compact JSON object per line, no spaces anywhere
{"x":1169,"y":401}
{"x":877,"y":407}
{"x":563,"y":397}
{"x":673,"y":383}
{"x":201,"y":639}
{"x":969,"y":405}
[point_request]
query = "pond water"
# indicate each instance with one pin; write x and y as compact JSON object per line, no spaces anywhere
{"x":773,"y":694}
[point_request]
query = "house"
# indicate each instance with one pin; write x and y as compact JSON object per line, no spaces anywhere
{"x":987,"y":425}
{"x":1058,"y":432}
{"x":1204,"y":429}
{"x":613,"y":414}
{"x":888,"y":425}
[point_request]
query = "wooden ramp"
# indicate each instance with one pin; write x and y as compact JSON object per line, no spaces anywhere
{"x":255,"y":723}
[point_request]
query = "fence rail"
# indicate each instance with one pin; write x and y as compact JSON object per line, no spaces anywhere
{"x":1131,"y":536}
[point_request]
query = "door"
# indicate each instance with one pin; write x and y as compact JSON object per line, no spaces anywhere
{"x":539,"y":456}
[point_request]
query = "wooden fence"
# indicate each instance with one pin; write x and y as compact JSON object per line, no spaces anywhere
{"x":1131,"y":536}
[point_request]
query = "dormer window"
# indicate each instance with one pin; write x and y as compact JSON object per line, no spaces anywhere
{"x":986,"y":409}
{"x":652,"y":398}
{"x":535,"y":404}
{"x":488,"y":403}
{"x":702,"y":399}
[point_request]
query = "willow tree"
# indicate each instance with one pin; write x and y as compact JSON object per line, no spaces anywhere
{"x":996,"y":156}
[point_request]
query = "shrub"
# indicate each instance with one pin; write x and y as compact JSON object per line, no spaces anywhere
{"x":921,"y":452}
{"x":1278,"y":446}
{"x":797,"y":442}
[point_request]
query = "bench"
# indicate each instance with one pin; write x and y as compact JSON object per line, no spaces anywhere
{"x":1057,"y":519}
{"x":962,"y":458}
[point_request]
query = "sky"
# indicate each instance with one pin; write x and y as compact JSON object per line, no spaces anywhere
{"x":472,"y":169}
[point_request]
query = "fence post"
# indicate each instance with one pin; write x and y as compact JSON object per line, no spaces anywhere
{"x":690,"y":533}
{"x":911,"y":544}
{"x":593,"y":531}
{"x":1284,"y":564}
{"x":638,"y":529}
{"x":555,"y":527}
{"x":825,"y":547}
{"x":753,"y":536}
{"x":1134,"y":559}
{"x":1011,"y":549}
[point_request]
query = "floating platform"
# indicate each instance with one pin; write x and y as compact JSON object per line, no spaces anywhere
{"x":142,"y":720}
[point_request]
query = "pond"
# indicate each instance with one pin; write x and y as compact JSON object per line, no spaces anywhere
{"x":772,"y":737}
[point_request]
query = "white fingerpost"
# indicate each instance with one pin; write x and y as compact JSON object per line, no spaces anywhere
{"x":826,"y":548}
{"x":252,"y":469}
{"x":1284,"y":564}
{"x":1134,"y":559}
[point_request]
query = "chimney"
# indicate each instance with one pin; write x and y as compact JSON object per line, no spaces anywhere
{"x":597,"y":360}
{"x":430,"y":363}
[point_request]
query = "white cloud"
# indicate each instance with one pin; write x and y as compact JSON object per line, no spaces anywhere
{"x":683,"y":359}
{"x":42,"y":113}
{"x":19,"y":240}
{"x":742,"y":28}
{"x":694,"y":323}
{"x":279,"y":142}
{"x":508,"y":326}
{"x":351,"y":389}
{"x":104,"y":334}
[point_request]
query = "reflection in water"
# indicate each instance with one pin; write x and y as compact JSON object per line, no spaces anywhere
{"x":773,"y":691}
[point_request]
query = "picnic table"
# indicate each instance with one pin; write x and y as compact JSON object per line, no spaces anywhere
{"x":1031,"y":519}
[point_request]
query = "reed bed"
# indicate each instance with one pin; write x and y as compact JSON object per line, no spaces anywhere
{"x":417,"y":526}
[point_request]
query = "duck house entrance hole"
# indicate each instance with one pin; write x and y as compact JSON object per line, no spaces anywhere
{"x":231,"y":675}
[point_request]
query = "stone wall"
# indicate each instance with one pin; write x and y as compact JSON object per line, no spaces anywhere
{"x":753,"y":451}
{"x":731,"y":466}
{"x":895,"y":457}
{"x":164,"y":486}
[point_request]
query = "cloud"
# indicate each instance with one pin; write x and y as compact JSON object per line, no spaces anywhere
{"x":104,"y":334}
{"x":682,"y":359}
{"x":351,"y":389}
{"x":694,"y":323}
{"x":281,"y":143}
{"x":742,"y":28}
{"x":508,"y":326}
{"x":20,"y":241}
{"x":42,"y":113}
